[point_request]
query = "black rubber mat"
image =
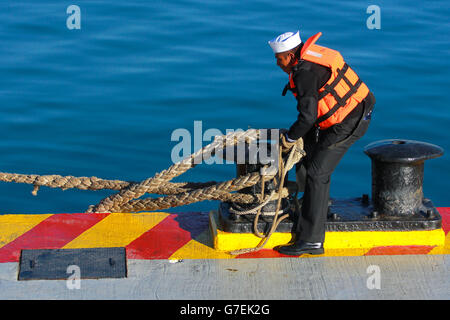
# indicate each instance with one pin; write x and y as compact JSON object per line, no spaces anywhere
{"x":89,"y":263}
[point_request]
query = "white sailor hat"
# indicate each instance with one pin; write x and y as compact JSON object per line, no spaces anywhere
{"x":285,"y":42}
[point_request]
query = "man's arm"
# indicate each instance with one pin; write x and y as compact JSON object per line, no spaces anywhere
{"x":307,"y":97}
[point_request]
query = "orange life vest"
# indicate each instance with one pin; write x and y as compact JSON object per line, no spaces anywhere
{"x":343,"y":91}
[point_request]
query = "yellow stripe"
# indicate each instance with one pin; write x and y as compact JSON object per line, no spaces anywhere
{"x":117,"y":230}
{"x":442,"y":250}
{"x":225,"y":241}
{"x":369,"y":239}
{"x":200,"y":248}
{"x":234,"y":241}
{"x":13,"y":226}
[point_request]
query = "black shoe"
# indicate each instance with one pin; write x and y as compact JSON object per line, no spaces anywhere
{"x":301,"y":247}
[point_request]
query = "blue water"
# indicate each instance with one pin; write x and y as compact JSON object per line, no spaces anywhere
{"x":103,"y":100}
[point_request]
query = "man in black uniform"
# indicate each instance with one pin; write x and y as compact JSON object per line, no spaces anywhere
{"x":324,"y":146}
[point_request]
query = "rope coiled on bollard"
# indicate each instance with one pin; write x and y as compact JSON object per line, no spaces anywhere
{"x":295,"y":154}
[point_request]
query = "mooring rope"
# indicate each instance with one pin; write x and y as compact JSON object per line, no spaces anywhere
{"x":115,"y":202}
{"x":182,"y":193}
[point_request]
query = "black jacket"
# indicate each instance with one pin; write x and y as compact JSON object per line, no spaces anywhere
{"x":309,"y":78}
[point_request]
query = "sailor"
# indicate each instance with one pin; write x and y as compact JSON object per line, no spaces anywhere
{"x":335,"y":109}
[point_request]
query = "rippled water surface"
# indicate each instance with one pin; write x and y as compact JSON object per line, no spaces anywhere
{"x":104,"y":100}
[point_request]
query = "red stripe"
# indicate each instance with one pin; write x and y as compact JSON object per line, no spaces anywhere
{"x":445,"y":214}
{"x":398,"y":250}
{"x":52,"y":233}
{"x":160,"y":242}
{"x":263,"y":253}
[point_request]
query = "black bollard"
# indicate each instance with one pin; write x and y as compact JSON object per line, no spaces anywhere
{"x":249,"y":159}
{"x":397,"y":175}
{"x":397,"y":191}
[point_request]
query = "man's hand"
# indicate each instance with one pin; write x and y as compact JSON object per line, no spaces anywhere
{"x":285,"y":144}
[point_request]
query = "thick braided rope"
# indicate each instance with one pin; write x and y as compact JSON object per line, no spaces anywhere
{"x":197,"y":195}
{"x":220,"y":191}
{"x":254,"y":210}
{"x":94,"y":183}
{"x":181,"y":199}
{"x":137,"y":190}
{"x":182,"y":193}
{"x":64,"y":182}
{"x":188,"y":198}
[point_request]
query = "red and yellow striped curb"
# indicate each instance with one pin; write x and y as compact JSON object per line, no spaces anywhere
{"x":152,"y":235}
{"x":334,"y":240}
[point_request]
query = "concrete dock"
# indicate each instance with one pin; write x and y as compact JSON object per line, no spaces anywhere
{"x":171,"y":256}
{"x":419,"y":277}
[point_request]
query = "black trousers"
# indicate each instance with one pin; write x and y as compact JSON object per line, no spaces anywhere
{"x":314,"y":171}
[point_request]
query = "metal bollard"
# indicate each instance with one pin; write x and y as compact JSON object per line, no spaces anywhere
{"x":251,"y":159}
{"x":397,"y":202}
{"x":397,"y":175}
